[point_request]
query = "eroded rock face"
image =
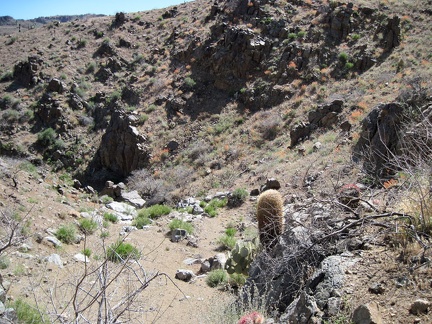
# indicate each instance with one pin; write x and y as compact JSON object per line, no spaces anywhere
{"x":26,"y":73}
{"x":123,"y":149}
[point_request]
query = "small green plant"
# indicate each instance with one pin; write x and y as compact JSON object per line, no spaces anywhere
{"x":105,"y":199}
{"x":115,"y":96}
{"x":355,"y":36}
{"x":217,"y":278}
{"x":301,"y":34}
{"x":143,"y":118}
{"x":151,"y":108}
{"x":87,"y":252}
{"x":154,"y":211}
{"x":47,"y":137}
{"x":66,"y":233}
{"x":91,"y":67}
{"x":27,"y":313}
{"x":181,"y":224}
{"x":141,"y":221}
{"x":189,"y":82}
{"x":11,"y":40}
{"x":213,"y":205}
{"x":343,"y":57}
{"x":292,"y":36}
{"x":237,"y":280}
{"x":238,"y":197}
{"x":4,"y":262}
{"x":121,"y":251}
{"x":110,"y":217}
{"x":227,"y":241}
{"x":349,"y":65}
{"x":87,"y":226}
{"x":6,"y":76}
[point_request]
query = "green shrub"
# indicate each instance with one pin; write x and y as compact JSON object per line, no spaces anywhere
{"x":343,"y":57}
{"x":210,"y":210}
{"x":238,"y":197}
{"x":301,"y":34}
{"x":213,"y":205}
{"x":110,"y":217}
{"x":349,"y":65}
{"x":237,"y":280}
{"x":141,"y":221}
{"x":91,"y":67}
{"x":66,"y":233}
{"x":6,"y":76}
{"x":228,"y":242}
{"x":292,"y":36}
{"x":154,"y":211}
{"x":27,"y":313}
{"x":47,"y":137}
{"x":105,"y":199}
{"x":217,"y":278}
{"x":29,"y":168}
{"x":355,"y":36}
{"x":87,"y":252}
{"x":87,"y":226}
{"x":178,"y":223}
{"x":230,"y":231}
{"x":121,"y":251}
{"x":189,"y":82}
{"x":4,"y":262}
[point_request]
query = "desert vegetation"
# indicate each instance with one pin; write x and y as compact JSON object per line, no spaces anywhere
{"x":265,"y":161}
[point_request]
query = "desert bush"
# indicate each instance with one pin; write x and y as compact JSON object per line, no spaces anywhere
{"x":121,"y":251}
{"x":268,"y":125}
{"x":228,"y":240}
{"x":87,"y":252}
{"x":141,"y":221}
{"x":91,"y":67}
{"x":82,"y":43}
{"x":343,"y":57}
{"x":110,"y":217}
{"x":154,"y":211}
{"x":217,"y":278}
{"x":213,"y":205}
{"x":181,"y":224}
{"x":27,"y":313}
{"x":47,"y":137}
{"x":87,"y":226}
{"x":4,"y":262}
{"x":237,"y":197}
{"x":152,"y":189}
{"x":189,"y":82}
{"x":6,"y":76}
{"x":66,"y":233}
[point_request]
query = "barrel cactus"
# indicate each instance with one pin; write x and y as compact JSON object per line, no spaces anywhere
{"x":240,"y":258}
{"x":270,"y":217}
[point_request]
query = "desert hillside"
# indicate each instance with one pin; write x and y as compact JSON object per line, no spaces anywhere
{"x":218,"y":159}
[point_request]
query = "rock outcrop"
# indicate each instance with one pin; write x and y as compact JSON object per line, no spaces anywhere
{"x":123,"y":149}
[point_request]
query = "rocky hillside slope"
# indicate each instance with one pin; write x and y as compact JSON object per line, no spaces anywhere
{"x":331,"y":99}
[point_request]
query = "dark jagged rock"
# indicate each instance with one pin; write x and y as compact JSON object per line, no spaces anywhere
{"x":326,"y":115}
{"x":123,"y":149}
{"x":27,"y":73}
{"x":55,"y":85}
{"x":379,"y":135}
{"x":298,"y":132}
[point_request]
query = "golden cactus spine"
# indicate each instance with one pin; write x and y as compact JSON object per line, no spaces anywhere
{"x":270,"y":217}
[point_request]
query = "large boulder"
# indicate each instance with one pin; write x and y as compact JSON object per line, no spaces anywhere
{"x":123,"y":149}
{"x":27,"y":73}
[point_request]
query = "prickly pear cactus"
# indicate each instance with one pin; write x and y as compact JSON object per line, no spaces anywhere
{"x":240,"y":258}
